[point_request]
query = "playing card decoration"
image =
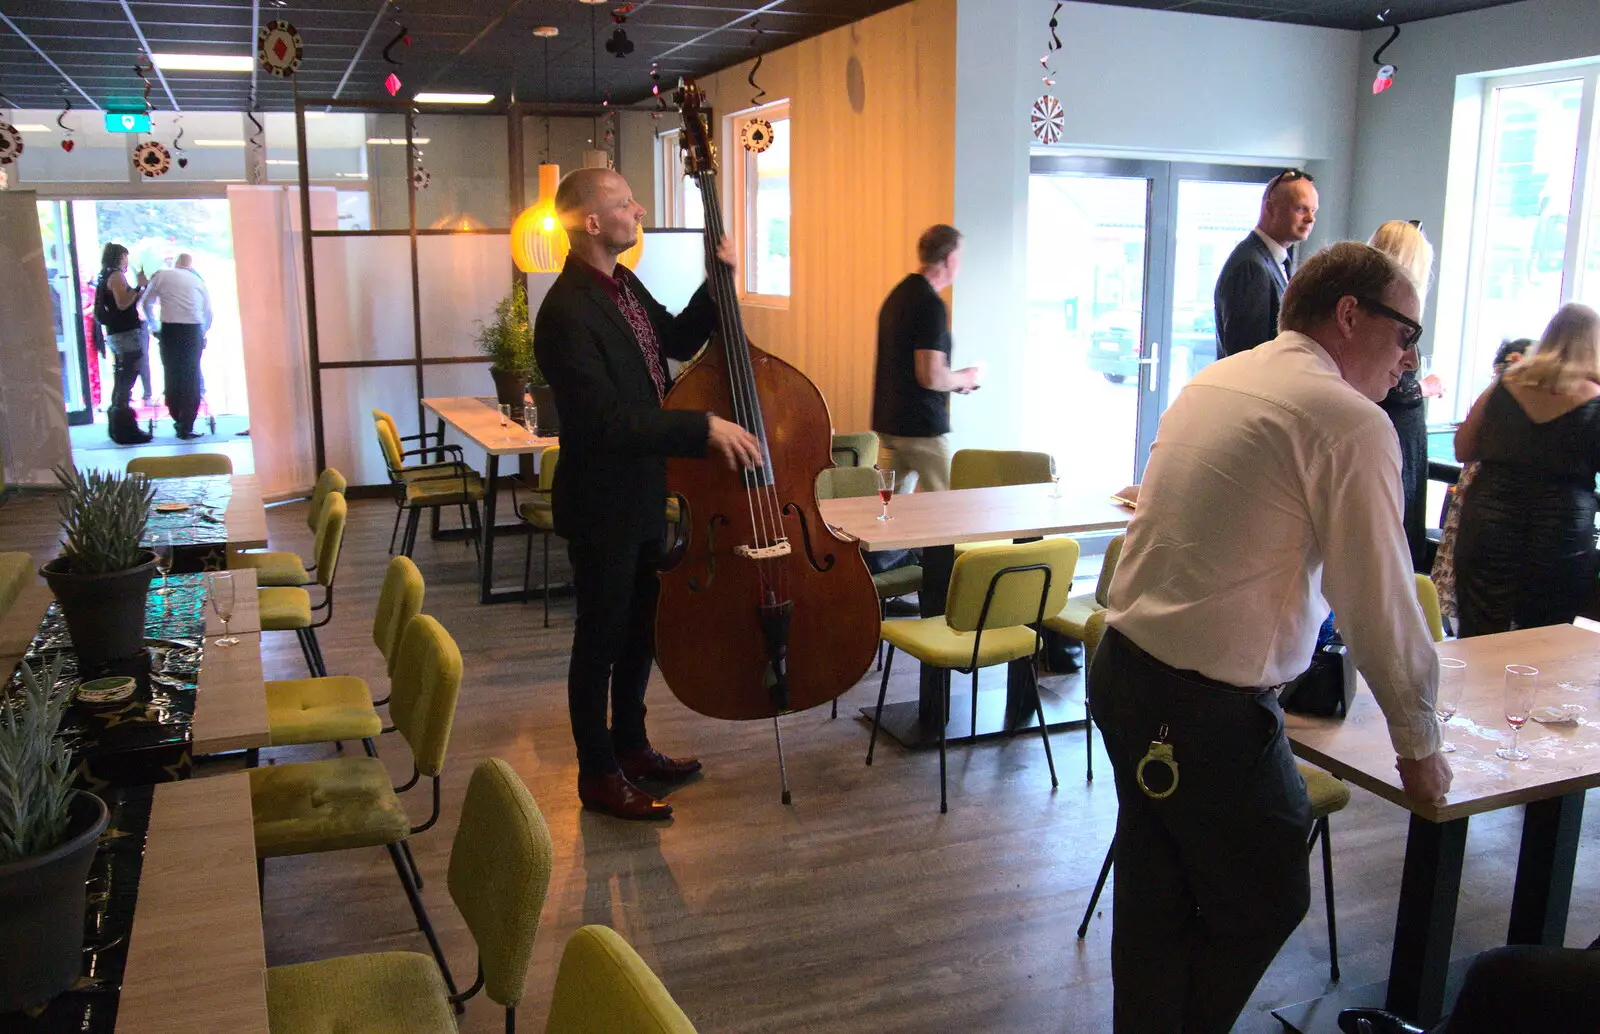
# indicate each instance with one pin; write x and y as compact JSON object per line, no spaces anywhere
{"x":420,"y":178}
{"x":177,"y":146}
{"x":279,"y":49}
{"x":1047,"y":119}
{"x":10,"y":143}
{"x":755,"y":98}
{"x":392,"y":81}
{"x":152,"y":159}
{"x":66,"y":106}
{"x":1385,"y":77}
{"x":756,"y":135}
{"x":619,"y":45}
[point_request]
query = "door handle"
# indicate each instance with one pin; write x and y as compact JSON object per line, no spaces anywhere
{"x":1153,"y":360}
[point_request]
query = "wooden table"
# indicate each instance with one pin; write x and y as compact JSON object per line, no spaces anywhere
{"x":196,"y":958}
{"x":245,"y":519}
{"x":934,"y":522}
{"x":230,"y":702}
{"x":479,"y":421}
{"x":1550,"y":787}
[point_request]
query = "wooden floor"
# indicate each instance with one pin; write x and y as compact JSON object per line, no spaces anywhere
{"x":859,"y":908}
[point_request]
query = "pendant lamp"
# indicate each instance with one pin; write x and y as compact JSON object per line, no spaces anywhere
{"x":538,"y":243}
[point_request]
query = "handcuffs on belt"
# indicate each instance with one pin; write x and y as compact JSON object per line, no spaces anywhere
{"x":1160,"y":752}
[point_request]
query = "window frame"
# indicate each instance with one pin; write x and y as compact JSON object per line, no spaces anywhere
{"x":740,"y":202}
{"x":672,"y":185}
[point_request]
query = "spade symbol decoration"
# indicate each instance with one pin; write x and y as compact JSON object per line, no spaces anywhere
{"x":619,"y":44}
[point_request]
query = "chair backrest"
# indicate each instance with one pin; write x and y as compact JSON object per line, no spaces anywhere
{"x":1016,"y":595}
{"x":500,"y":874}
{"x":547,"y":468}
{"x":1428,"y":596}
{"x":16,"y":574}
{"x":1094,"y":630}
{"x":604,"y":987}
{"x":389,"y":442}
{"x":330,"y":537}
{"x":380,"y":417}
{"x":399,"y":601}
{"x":329,"y":480}
{"x":424,"y":690}
{"x":193,"y":464}
{"x":987,"y":468}
{"x":855,"y":450}
{"x":846,"y":482}
{"x":1108,"y":568}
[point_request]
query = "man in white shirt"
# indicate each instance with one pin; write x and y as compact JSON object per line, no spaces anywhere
{"x":185,"y":307}
{"x":1250,"y":287}
{"x":1274,"y":483}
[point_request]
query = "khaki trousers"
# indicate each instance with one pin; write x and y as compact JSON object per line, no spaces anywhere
{"x":928,"y":458}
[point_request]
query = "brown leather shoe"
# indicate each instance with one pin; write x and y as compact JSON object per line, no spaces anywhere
{"x":650,"y":765}
{"x":613,"y":795}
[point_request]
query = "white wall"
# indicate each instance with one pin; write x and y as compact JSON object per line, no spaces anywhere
{"x":33,"y":417}
{"x":1132,"y":82}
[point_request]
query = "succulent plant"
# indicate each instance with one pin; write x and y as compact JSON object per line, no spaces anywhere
{"x":35,"y":765}
{"x":103,"y":516}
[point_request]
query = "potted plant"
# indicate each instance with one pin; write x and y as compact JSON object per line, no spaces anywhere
{"x":508,"y":342}
{"x":102,"y":576}
{"x":48,"y":834}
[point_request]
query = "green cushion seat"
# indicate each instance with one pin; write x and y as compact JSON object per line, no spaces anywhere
{"x":393,"y":992}
{"x":337,"y":707}
{"x":284,"y":608}
{"x":274,"y":568}
{"x":898,"y":582}
{"x":443,"y":491}
{"x":933,"y":641}
{"x":327,"y":805}
{"x":1327,"y":794}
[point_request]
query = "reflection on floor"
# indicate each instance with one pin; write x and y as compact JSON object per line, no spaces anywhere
{"x":91,"y":448}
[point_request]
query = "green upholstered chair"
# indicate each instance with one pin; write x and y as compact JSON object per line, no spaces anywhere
{"x":499,"y":876}
{"x":347,"y":802}
{"x":604,"y":987}
{"x":16,"y":572}
{"x":992,"y":468}
{"x":996,"y":594}
{"x":1428,"y":597}
{"x":427,"y":488}
{"x":340,"y":707}
{"x":541,"y":517}
{"x":189,"y":465}
{"x":282,"y":568}
{"x":1074,"y":617}
{"x":288,"y":608}
{"x":859,"y":449}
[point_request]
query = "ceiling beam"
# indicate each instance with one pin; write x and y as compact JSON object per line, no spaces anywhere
{"x":145,"y":44}
{"x":29,"y":41}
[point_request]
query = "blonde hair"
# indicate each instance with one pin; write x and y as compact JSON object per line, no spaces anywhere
{"x":1409,"y":247}
{"x":1567,"y":355}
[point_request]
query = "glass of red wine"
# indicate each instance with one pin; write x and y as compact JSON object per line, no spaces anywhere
{"x":885,"y":490}
{"x":1522,"y":683}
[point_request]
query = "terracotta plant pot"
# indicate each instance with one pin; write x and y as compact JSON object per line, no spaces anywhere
{"x":104,"y":612}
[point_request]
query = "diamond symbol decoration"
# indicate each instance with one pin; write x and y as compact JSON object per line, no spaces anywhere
{"x":278,"y":48}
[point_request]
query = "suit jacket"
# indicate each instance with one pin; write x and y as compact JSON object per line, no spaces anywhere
{"x":1248,"y":293}
{"x":611,"y":484}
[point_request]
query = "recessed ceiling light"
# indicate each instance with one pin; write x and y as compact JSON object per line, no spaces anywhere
{"x":591,"y":1}
{"x":31,"y":127}
{"x":418,"y":140}
{"x":547,"y":32}
{"x":282,"y":161}
{"x":204,"y":62}
{"x":453,"y":98}
{"x":219,"y":143}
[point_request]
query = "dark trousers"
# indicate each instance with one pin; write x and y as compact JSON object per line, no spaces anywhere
{"x":1211,"y":880}
{"x":181,"y":344}
{"x":1521,"y":989}
{"x":613,"y":646}
{"x":127,"y":372}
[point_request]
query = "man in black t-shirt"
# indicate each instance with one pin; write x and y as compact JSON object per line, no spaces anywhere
{"x":910,"y":396}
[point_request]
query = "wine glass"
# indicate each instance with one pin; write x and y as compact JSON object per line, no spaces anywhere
{"x":1522,"y":683}
{"x":219,"y":588}
{"x":161,"y":546}
{"x":505,"y":421}
{"x":530,"y":419}
{"x":1055,"y":480}
{"x":885,"y":490}
{"x":1452,"y":677}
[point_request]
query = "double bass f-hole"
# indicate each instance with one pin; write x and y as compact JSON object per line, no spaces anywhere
{"x":695,"y":584}
{"x":791,"y":510}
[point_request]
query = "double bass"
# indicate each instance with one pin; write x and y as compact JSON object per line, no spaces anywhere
{"x":764,"y":610}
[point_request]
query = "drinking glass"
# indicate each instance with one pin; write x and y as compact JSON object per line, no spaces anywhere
{"x":1522,"y":684}
{"x":530,"y":419}
{"x":885,"y":490}
{"x":505,"y":421}
{"x":219,"y":588}
{"x":161,"y":546}
{"x":1452,"y":677}
{"x":1055,"y":480}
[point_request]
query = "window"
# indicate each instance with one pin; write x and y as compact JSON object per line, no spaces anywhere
{"x":679,"y":203}
{"x":760,"y":203}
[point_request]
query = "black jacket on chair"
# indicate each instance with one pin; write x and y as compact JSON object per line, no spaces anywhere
{"x":611,"y":484}
{"x":1248,"y":293}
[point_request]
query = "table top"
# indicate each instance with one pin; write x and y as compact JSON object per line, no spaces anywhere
{"x":1566,"y":758}
{"x":196,"y":957}
{"x":230,"y":704}
{"x":246,"y":515}
{"x":243,"y":520}
{"x":919,"y":519}
{"x":479,"y":420}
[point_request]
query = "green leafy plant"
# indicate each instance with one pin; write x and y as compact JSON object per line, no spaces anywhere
{"x":508,"y":338}
{"x":103,"y":517}
{"x":35,"y":765}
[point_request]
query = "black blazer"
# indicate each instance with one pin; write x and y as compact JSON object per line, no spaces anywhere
{"x":1248,"y":293}
{"x":611,"y":484}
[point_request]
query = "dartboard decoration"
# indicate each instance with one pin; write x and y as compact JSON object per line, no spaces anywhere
{"x":278,"y":48}
{"x":1048,"y":119}
{"x":10,"y":143}
{"x":152,"y":159}
{"x":756,"y":135}
{"x":420,"y":178}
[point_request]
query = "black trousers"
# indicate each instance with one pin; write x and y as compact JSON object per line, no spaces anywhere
{"x":1211,"y":880}
{"x":1523,"y":989}
{"x":181,"y":344}
{"x":127,"y":366}
{"x":613,"y":647}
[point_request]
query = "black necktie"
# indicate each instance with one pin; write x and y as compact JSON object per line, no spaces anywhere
{"x":1287,"y":271}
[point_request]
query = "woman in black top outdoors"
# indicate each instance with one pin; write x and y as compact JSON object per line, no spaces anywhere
{"x":116,"y":310}
{"x":1525,"y":555}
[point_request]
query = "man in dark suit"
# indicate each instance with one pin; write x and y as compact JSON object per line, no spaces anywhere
{"x":603,"y":342}
{"x":1253,"y":279}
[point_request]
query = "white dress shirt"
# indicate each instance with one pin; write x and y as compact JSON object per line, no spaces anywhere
{"x":182,"y":295}
{"x":1279,"y":253}
{"x":1272,"y":485}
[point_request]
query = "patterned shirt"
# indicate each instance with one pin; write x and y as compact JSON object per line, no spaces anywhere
{"x":643,"y":330}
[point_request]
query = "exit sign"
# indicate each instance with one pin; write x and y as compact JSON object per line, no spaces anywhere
{"x":123,"y":122}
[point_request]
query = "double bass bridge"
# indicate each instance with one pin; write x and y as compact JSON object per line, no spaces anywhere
{"x":772,"y":551}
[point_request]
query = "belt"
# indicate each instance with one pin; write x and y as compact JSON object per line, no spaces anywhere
{"x":1188,"y":674}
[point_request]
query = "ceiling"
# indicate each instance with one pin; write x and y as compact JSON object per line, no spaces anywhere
{"x":88,"y":48}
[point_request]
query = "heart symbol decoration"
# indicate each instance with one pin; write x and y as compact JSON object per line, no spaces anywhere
{"x":183,"y":163}
{"x":67,"y":145}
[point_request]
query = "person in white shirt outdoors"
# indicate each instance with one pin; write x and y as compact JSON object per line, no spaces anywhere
{"x":1250,"y":287}
{"x":185,"y":307}
{"x":1273,"y":484}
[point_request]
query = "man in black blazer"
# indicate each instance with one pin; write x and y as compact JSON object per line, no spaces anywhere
{"x":1253,"y":279}
{"x":603,"y":342}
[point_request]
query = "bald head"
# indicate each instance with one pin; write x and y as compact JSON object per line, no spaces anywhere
{"x":597,"y":209}
{"x":185,"y":260}
{"x":583,"y":192}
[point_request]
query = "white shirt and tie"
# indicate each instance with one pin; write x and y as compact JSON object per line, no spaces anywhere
{"x":1272,"y":485}
{"x":1279,"y":253}
{"x":181,"y":295}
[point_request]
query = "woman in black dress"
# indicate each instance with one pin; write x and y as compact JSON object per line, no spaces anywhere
{"x":1526,"y":547}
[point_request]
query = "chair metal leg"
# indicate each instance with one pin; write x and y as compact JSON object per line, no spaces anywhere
{"x":321,"y":670}
{"x":252,"y":757}
{"x":1099,"y":885}
{"x":546,"y":537}
{"x":883,"y":691}
{"x":477,"y":532}
{"x":371,"y":748}
{"x":408,"y":541}
{"x":944,"y":720}
{"x":261,"y":883}
{"x":395,"y":530}
{"x":783,"y":770}
{"x":835,"y":712}
{"x":883,"y":612}
{"x":511,"y":1019}
{"x":421,"y":913}
{"x":416,"y":873}
{"x":1320,"y":831}
{"x":1088,"y":729}
{"x":305,"y":650}
{"x":527,"y":568}
{"x":974,"y":703}
{"x":1044,"y":729}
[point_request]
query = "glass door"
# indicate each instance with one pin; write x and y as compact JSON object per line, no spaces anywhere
{"x":67,"y":309}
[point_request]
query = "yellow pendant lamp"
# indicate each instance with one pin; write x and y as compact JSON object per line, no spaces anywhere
{"x":538,"y":243}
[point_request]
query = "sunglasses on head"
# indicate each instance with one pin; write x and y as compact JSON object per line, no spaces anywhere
{"x":1413,"y":329}
{"x":1289,"y":176}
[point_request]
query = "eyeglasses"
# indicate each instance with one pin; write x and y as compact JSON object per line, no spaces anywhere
{"x":1289,"y":176}
{"x":1412,"y":327}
